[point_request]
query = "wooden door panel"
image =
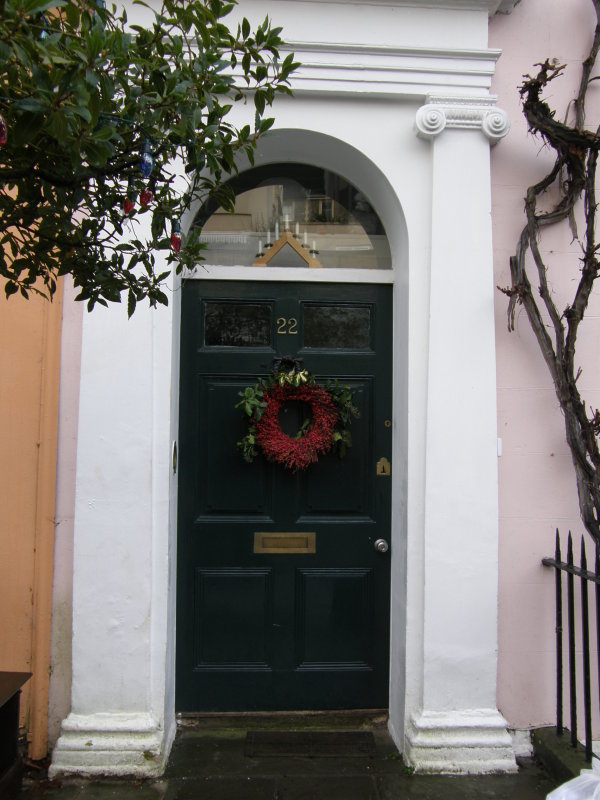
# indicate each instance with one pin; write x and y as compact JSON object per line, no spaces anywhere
{"x":334,"y":626}
{"x":230,"y":636}
{"x":219,"y":464}
{"x":341,"y":486}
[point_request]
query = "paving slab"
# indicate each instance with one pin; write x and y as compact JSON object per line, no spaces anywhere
{"x":71,"y":789}
{"x":330,"y":788}
{"x":530,"y":783}
{"x":222,"y":789}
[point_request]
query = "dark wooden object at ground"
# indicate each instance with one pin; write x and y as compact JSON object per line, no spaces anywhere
{"x":10,"y":761}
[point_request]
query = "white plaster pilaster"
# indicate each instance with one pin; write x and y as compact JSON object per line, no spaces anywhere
{"x":454,"y":725}
{"x":121,"y":722}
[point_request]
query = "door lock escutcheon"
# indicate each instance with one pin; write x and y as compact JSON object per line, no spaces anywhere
{"x":383,"y":468}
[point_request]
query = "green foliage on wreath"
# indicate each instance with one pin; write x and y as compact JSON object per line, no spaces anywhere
{"x":254,"y":400}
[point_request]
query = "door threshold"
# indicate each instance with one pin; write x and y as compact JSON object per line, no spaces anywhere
{"x":286,"y":720}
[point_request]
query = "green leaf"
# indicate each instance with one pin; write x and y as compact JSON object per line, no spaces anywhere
{"x":82,"y":112}
{"x":72,"y":14}
{"x":259,"y":102}
{"x":57,"y":125}
{"x":98,"y":153}
{"x":31,"y":104}
{"x":104,"y":133}
{"x":158,"y":223}
{"x":131,"y":303}
{"x":91,"y":77}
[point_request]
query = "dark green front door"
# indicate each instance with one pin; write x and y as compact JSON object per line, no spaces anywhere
{"x":260,"y":630}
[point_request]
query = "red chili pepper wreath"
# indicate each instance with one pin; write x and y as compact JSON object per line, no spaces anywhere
{"x":331,"y":408}
{"x":296,"y":453}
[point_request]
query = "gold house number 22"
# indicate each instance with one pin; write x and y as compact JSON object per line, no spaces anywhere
{"x":287,"y":326}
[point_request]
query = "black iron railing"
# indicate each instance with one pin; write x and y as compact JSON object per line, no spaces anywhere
{"x":585,"y":577}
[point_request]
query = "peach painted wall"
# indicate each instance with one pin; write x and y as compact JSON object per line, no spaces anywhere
{"x":537,"y":483}
{"x":29,"y":362}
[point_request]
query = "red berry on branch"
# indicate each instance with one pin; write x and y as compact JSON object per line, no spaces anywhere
{"x":128,"y":206}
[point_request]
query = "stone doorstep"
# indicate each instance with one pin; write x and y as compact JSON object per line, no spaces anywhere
{"x":562,"y":761}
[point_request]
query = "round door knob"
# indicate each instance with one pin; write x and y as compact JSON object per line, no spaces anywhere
{"x":381,"y":546}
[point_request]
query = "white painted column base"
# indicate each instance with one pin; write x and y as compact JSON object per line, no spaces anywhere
{"x":112,"y":744}
{"x":459,"y":742}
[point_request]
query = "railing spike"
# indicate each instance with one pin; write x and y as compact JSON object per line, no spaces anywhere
{"x":571,"y":640}
{"x":597,"y":597}
{"x":559,"y":639}
{"x":585,"y":636}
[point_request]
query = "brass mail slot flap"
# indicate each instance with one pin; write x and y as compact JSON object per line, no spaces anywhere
{"x":285,"y":543}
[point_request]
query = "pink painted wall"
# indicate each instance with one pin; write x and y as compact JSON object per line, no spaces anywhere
{"x":537,"y":483}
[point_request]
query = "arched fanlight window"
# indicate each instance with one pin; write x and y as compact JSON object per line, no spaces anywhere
{"x":293,"y":215}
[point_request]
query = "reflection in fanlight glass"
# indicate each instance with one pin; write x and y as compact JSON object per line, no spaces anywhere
{"x":292,"y":215}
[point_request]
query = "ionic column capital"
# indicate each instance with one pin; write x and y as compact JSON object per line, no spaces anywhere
{"x":465,"y":113}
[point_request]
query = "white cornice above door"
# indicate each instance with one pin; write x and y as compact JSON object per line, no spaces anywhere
{"x":492,"y":6}
{"x":381,"y":70}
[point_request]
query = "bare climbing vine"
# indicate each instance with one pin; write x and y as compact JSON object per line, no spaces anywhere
{"x":570,"y":184}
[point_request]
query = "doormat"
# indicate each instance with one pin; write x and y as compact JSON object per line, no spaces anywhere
{"x":311,"y":744}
